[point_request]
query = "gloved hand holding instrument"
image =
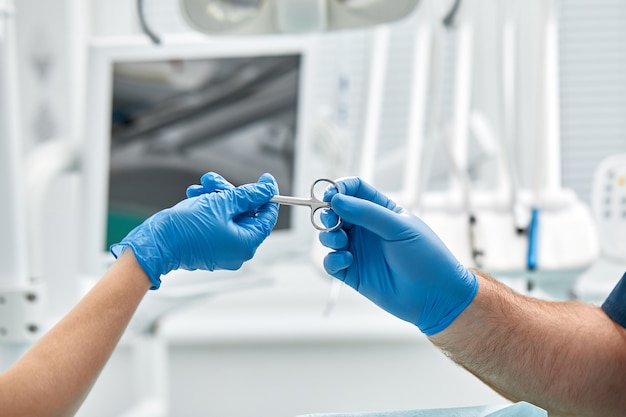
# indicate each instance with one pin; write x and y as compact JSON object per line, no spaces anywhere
{"x":393,"y":258}
{"x":236,"y":220}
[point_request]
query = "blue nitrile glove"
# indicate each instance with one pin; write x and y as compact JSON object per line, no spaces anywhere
{"x":393,"y":258}
{"x":210,"y":183}
{"x":209,"y":230}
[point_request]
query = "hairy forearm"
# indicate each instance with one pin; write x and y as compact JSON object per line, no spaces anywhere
{"x":566,"y":357}
{"x":55,"y":375}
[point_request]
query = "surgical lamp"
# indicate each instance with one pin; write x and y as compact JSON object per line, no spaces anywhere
{"x":262,"y":17}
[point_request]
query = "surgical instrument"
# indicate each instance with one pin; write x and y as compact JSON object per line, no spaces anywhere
{"x":316,"y":204}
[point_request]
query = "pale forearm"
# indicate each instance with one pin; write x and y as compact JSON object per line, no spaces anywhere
{"x":569,"y":358}
{"x":56,"y":374}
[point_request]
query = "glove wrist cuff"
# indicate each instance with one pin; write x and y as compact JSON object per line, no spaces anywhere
{"x":153,"y":276}
{"x":447,"y":320}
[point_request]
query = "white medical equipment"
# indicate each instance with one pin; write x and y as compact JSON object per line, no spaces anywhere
{"x":559,"y":234}
{"x":26,"y":169}
{"x":608,"y":200}
{"x":13,"y":223}
{"x":484,"y":227}
{"x":254,"y":17}
{"x":21,"y":306}
{"x":608,"y":203}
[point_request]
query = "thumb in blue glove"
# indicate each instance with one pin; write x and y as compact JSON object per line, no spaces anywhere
{"x":393,"y":258}
{"x":209,"y":230}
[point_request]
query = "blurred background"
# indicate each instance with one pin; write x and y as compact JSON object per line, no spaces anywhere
{"x":499,"y":109}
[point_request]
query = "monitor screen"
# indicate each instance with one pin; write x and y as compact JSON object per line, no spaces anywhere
{"x":174,"y":120}
{"x":158,"y":117}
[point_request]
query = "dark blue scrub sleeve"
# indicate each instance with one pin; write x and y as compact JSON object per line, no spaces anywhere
{"x":615,"y":304}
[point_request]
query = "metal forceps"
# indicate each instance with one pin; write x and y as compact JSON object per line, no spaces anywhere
{"x":314,"y":203}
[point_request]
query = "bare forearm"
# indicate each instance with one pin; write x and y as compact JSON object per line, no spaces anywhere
{"x":56,"y":374}
{"x":566,"y":357}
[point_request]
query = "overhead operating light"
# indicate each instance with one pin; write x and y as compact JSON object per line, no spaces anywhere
{"x":232,"y":11}
{"x":255,"y":17}
{"x":376,"y":11}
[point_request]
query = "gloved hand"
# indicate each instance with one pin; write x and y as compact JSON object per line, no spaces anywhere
{"x":217,"y":227}
{"x":393,"y":258}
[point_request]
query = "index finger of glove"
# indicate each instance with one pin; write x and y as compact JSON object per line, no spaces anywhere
{"x":369,"y":215}
{"x":356,"y":187}
{"x":249,"y":197}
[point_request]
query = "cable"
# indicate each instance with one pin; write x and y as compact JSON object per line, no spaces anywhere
{"x":141,"y":13}
{"x":448,"y":20}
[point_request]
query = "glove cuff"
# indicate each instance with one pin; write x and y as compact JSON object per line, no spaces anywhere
{"x":452,"y":315}
{"x":153,"y":276}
